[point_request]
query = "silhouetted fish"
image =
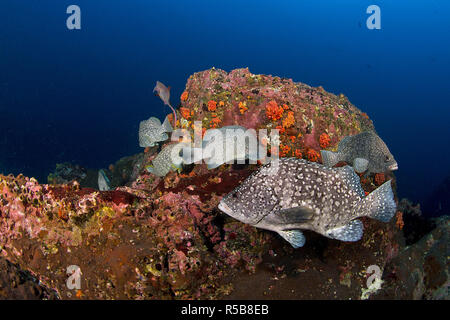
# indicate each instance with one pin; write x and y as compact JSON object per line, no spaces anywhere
{"x":164,"y":93}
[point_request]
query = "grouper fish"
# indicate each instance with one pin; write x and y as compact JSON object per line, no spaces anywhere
{"x":163,"y":93}
{"x":228,"y":144}
{"x":309,"y":196}
{"x":103,"y":182}
{"x":168,"y":159}
{"x":151,"y":132}
{"x":365,"y":151}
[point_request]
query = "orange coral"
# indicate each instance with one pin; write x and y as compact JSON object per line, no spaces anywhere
{"x":242,"y":107}
{"x":399,"y":220}
{"x":379,"y":179}
{"x":284,"y":150}
{"x":285,"y":106}
{"x":212,"y":105}
{"x":289,"y":120}
{"x":298,"y":153}
{"x":292,"y":138}
{"x":184,"y":96}
{"x":185,"y":113}
{"x":273,"y":111}
{"x":313,"y":155}
{"x":221,"y":104}
{"x":215,"y":122}
{"x":324,"y":140}
{"x":281,"y":129}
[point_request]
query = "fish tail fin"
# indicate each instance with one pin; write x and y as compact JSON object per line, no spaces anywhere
{"x":167,"y":126}
{"x":330,"y":158}
{"x":379,"y":204}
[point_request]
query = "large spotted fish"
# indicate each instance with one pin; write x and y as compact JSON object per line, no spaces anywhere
{"x":151,"y":132}
{"x":365,"y":151}
{"x":306,"y":195}
{"x":168,"y":159}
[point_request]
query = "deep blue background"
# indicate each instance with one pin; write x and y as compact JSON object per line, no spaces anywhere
{"x":80,"y":95}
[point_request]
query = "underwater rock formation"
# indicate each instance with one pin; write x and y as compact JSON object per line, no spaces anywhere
{"x":67,"y":172}
{"x":301,"y":113}
{"x":164,"y":238}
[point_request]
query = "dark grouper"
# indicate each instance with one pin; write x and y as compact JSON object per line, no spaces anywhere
{"x":365,"y":151}
{"x":307,"y":195}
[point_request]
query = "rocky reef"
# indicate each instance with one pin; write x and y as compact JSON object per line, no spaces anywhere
{"x":164,"y":238}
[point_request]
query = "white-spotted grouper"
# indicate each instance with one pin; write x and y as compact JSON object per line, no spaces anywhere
{"x":306,"y":195}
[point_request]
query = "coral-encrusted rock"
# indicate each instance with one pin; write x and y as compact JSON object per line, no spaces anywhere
{"x":19,"y":284}
{"x":421,"y":271}
{"x":164,"y":238}
{"x":302,"y":113}
{"x":128,"y":243}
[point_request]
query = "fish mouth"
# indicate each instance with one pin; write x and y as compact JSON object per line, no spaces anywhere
{"x":223,"y":207}
{"x":393,"y":167}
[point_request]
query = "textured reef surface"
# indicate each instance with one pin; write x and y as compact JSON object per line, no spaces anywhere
{"x":164,"y":238}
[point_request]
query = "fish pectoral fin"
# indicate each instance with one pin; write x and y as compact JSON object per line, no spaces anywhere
{"x":296,"y":214}
{"x":360,"y":165}
{"x":294,"y":237}
{"x":352,"y":231}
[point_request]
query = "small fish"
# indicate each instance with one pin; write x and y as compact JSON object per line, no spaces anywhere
{"x":164,"y":93}
{"x":151,"y":131}
{"x":103,"y":182}
{"x":230,"y":143}
{"x":165,"y":161}
{"x":365,"y":151}
{"x":310,"y":196}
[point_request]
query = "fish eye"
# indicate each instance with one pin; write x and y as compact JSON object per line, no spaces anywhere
{"x":234,"y":195}
{"x":387,"y":158}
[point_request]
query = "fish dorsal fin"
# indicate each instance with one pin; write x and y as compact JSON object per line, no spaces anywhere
{"x":294,"y":237}
{"x":167,"y":127}
{"x":344,"y":142}
{"x":352,"y":231}
{"x":296,"y":214}
{"x":349,"y":175}
{"x":330,"y":158}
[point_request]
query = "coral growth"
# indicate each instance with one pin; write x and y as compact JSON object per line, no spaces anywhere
{"x":324,"y":140}
{"x":313,"y":155}
{"x":273,"y":111}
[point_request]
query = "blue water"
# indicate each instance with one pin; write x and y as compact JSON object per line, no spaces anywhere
{"x":79,"y":95}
